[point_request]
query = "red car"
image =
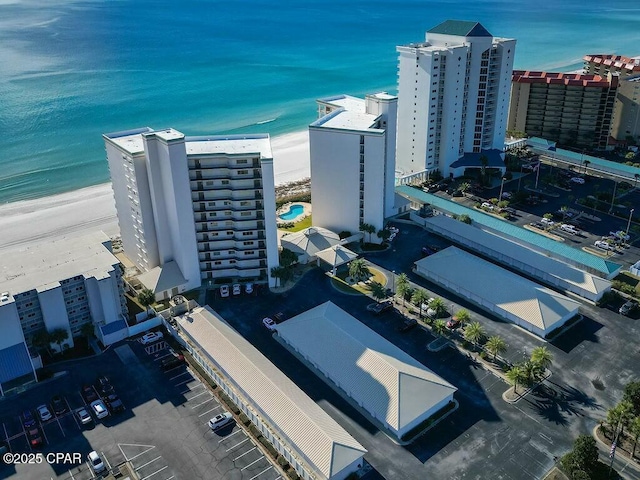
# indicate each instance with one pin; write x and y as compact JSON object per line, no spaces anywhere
{"x":35,"y":437}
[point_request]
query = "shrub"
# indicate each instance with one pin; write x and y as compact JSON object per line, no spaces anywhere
{"x":272,"y":451}
{"x":344,"y":234}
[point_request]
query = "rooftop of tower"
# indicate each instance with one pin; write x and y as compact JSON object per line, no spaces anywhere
{"x":461,"y":28}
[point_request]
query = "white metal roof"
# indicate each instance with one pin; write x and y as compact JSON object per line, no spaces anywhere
{"x":310,"y":240}
{"x":389,"y":383}
{"x":298,"y":420}
{"x":163,"y":278}
{"x":518,"y":296}
{"x":555,"y":268}
{"x":336,"y":255}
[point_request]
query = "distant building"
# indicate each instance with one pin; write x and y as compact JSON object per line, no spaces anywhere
{"x":352,"y":149}
{"x":615,"y":64}
{"x":194,"y":210}
{"x":65,"y":284}
{"x":453,"y":99}
{"x":571,"y":109}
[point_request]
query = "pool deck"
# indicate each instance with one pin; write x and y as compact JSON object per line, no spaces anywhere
{"x":284,"y":208}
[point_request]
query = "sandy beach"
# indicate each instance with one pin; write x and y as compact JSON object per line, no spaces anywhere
{"x":93,"y":208}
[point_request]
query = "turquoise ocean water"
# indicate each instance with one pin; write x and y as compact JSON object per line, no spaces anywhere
{"x":72,"y":70}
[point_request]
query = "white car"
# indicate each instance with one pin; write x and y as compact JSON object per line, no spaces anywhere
{"x":151,"y":337}
{"x":220,"y":420}
{"x":248,"y":288}
{"x":565,"y":227}
{"x":237,"y":289}
{"x":83,"y":416}
{"x":224,"y":291}
{"x":547,"y":221}
{"x":578,"y":180}
{"x":96,"y":462}
{"x":487,"y":205}
{"x":601,"y":244}
{"x":44,"y":413}
{"x":99,"y":409}
{"x":270,"y":323}
{"x":506,"y":195}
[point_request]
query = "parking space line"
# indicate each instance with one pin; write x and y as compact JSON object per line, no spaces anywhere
{"x":71,"y":473}
{"x":161,"y":357}
{"x":148,"y":447}
{"x":157,"y":471}
{"x":179,"y":375}
{"x":231,"y":435}
{"x":185,"y":381}
{"x":265,"y":470}
{"x":255,"y":461}
{"x":148,"y":463}
{"x":197,"y":395}
{"x":61,"y":429}
{"x":238,"y":444}
{"x":210,"y":410}
{"x":202,"y":403}
{"x":106,"y":460}
{"x":245,"y":453}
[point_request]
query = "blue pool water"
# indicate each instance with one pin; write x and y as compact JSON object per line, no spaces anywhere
{"x":295,"y":211}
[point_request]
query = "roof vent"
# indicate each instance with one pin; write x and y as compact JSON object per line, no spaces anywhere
{"x":4,"y":296}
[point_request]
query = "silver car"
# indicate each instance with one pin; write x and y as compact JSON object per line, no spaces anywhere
{"x":220,"y":420}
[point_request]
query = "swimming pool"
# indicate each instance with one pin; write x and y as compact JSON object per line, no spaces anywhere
{"x":294,"y":212}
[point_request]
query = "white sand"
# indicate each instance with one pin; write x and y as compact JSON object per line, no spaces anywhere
{"x":93,"y":208}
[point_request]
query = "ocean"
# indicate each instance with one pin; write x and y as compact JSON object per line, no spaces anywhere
{"x":73,"y":70}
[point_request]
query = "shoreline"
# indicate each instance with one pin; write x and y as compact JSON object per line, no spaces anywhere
{"x":92,"y":208}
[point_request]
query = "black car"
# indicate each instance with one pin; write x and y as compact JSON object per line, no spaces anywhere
{"x":426,"y":251}
{"x":408,"y":325}
{"x":378,"y":308}
{"x":114,"y":404}
{"x":58,"y":405}
{"x":89,"y":393}
{"x":104,"y":385}
{"x":28,"y":420}
{"x":171,"y":362}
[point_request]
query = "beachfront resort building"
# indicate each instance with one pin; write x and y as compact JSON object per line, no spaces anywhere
{"x":453,"y":100}
{"x":352,"y":148}
{"x":72,"y":284}
{"x":569,"y":108}
{"x":194,"y":210}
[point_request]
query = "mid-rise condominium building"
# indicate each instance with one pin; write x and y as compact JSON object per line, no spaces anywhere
{"x":73,"y":284}
{"x":571,"y":109}
{"x":352,"y":149}
{"x":453,"y":99}
{"x":194,"y":210}
{"x":615,"y":64}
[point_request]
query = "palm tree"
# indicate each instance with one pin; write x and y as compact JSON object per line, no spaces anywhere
{"x":41,"y":340}
{"x":87,"y":329}
{"x":484,"y":163}
{"x":620,"y":416}
{"x":532,"y":371}
{"x":378,"y":291}
{"x":146,"y":297}
{"x":464,"y":187}
{"x":541,"y":357}
{"x":403,"y":289}
{"x":496,"y":346}
{"x":516,"y":376}
{"x":358,"y":269}
{"x":463,"y":316}
{"x":439,"y":327}
{"x":474,"y":332}
{"x":634,"y":428}
{"x":278,"y":273}
{"x":437,"y":305}
{"x":367,"y":228}
{"x":418,"y":298}
{"x":402,"y":279}
{"x":58,"y":336}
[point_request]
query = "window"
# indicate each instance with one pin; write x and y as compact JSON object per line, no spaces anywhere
{"x":224,"y":182}
{"x":249,"y":252}
{"x":243,"y":172}
{"x":245,"y":214}
{"x":247,"y":243}
{"x":242,"y":162}
{"x":247,"y":234}
{"x":245,"y":203}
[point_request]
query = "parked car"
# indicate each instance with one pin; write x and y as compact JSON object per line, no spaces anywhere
{"x":578,"y":180}
{"x":89,"y":393}
{"x":28,"y":420}
{"x":487,"y":205}
{"x":114,"y":403}
{"x":537,"y":225}
{"x":457,"y":194}
{"x":104,"y":385}
{"x":628,"y":307}
{"x":603,"y":245}
{"x":509,"y":210}
{"x":83,"y":416}
{"x":97,"y":465}
{"x":270,"y":323}
{"x":44,"y":413}
{"x":59,"y":405}
{"x":35,"y":437}
{"x":620,"y":235}
{"x":99,"y":409}
{"x":378,"y":308}
{"x":220,"y":420}
{"x":248,"y":288}
{"x":151,"y":337}
{"x":224,"y":291}
{"x":506,"y":195}
{"x":171,"y":362}
{"x":565,"y":227}
{"x":453,"y":323}
{"x":237,"y":289}
{"x":426,"y":251}
{"x":407,"y":325}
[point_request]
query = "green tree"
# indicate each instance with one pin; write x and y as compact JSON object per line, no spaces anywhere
{"x":632,"y":394}
{"x":474,"y":332}
{"x":419,"y":298}
{"x":287,"y":258}
{"x":464,"y":187}
{"x":516,"y":376}
{"x":358,"y":269}
{"x":533,"y":372}
{"x":496,"y":346}
{"x":87,"y":330}
{"x":634,"y":429}
{"x":41,"y":340}
{"x":548,"y":216}
{"x":437,"y":305}
{"x":403,"y":289}
{"x":542,"y":357}
{"x":620,"y":417}
{"x":58,"y":336}
{"x":368,"y":229}
{"x":146,"y":297}
{"x":378,"y":292}
{"x":383,"y":234}
{"x":484,"y":163}
{"x":279,"y":274}
{"x":464,"y":218}
{"x":463,"y":316}
{"x":439,"y":327}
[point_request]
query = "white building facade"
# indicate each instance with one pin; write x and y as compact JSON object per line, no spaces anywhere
{"x":66,"y":285}
{"x":352,"y":150}
{"x":200,"y":208}
{"x":453,"y":99}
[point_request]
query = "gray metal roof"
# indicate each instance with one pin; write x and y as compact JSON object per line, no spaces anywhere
{"x":461,"y":28}
{"x":15,"y":362}
{"x":384,"y":379}
{"x":296,"y":419}
{"x":533,"y":240}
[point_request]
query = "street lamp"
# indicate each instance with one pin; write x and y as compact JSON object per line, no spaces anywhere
{"x":501,"y":187}
{"x":629,"y":222}
{"x":613,"y":198}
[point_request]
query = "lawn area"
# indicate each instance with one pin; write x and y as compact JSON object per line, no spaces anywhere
{"x":339,"y":281}
{"x":301,"y":225}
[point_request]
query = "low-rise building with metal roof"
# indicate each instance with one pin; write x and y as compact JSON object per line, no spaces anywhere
{"x":393,"y":388}
{"x":534,"y":264}
{"x":311,"y":441}
{"x":498,"y":291}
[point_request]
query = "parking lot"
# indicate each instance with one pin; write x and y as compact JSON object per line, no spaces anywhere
{"x":162,"y":433}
